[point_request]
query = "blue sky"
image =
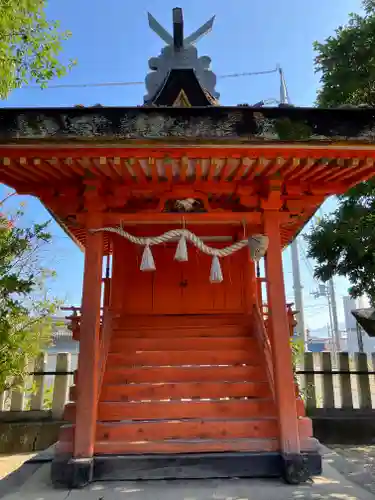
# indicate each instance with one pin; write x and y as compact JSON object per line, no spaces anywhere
{"x":112,"y":43}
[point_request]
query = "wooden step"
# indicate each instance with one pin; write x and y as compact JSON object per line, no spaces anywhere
{"x":116,"y":375}
{"x":129,"y":322}
{"x":196,"y":446}
{"x":182,"y":390}
{"x":201,"y":331}
{"x":183,"y":358}
{"x":228,"y":409}
{"x":187,"y":429}
{"x":124,"y":345}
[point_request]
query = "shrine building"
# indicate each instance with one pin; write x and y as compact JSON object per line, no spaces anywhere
{"x":185,"y":363}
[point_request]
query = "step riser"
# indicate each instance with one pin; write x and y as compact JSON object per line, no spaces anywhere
{"x":190,"y":430}
{"x":118,"y":447}
{"x":154,"y":322}
{"x":232,"y":409}
{"x":182,"y":430}
{"x":208,"y":429}
{"x":183,"y":358}
{"x":218,"y":331}
{"x":209,"y":446}
{"x":198,"y":390}
{"x":192,"y":447}
{"x":122,"y":345}
{"x":114,"y":375}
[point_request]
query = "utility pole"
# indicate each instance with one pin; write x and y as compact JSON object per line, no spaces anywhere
{"x":360,"y":338}
{"x":298,"y":296}
{"x":297,"y":286}
{"x":335,"y":322}
{"x":328,"y":291}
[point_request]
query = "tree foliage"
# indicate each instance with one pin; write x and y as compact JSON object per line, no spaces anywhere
{"x":29,"y":45}
{"x":25,"y":310}
{"x":343,"y":243}
{"x":346,"y":61}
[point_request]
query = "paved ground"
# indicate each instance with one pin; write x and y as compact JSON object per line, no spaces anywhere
{"x":331,"y":486}
{"x":355,"y":462}
{"x":9,"y":463}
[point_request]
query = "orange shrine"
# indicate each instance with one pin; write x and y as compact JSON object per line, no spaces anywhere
{"x":182,"y":372}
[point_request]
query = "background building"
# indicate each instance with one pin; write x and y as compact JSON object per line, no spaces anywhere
{"x":352,"y":329}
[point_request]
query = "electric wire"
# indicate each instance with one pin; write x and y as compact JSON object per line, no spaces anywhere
{"x":127,"y":84}
{"x":306,"y":260}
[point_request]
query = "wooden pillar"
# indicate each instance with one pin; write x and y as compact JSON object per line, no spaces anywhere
{"x":88,"y":367}
{"x":280,"y":338}
{"x":250,"y":283}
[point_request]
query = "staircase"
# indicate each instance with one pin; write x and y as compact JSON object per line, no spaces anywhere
{"x":183,"y":384}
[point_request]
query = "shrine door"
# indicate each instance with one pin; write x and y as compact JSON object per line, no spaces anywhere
{"x":176,"y":287}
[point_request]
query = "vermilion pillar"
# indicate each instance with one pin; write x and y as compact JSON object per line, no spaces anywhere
{"x":87,"y":389}
{"x":280,"y":339}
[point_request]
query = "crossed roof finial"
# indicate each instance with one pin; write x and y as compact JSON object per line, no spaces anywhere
{"x":177,"y":40}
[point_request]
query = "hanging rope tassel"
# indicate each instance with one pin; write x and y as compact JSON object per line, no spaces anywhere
{"x":181,"y":254}
{"x":216,"y":275}
{"x":148,"y":263}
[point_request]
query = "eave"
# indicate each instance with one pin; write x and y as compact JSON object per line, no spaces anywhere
{"x":311,"y":153}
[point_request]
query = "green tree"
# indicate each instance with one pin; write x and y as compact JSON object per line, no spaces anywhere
{"x":29,"y":45}
{"x":25,"y":309}
{"x":346,"y":61}
{"x":343,"y":243}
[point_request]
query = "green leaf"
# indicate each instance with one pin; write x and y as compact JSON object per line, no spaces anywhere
{"x":25,"y":306}
{"x":343,"y":243}
{"x":30,"y":45}
{"x":346,"y":62}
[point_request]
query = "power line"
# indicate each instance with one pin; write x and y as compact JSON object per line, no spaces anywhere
{"x":128,"y":84}
{"x":307,"y":262}
{"x":253,"y":73}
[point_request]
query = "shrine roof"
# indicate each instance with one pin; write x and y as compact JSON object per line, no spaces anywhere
{"x":182,"y":87}
{"x":225,"y":152}
{"x":207,"y":124}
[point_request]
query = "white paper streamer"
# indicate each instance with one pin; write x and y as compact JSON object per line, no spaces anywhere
{"x":181,"y":254}
{"x":216,"y":275}
{"x":148,"y":263}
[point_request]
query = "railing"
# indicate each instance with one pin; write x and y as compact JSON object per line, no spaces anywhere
{"x":105,"y":339}
{"x":75,"y":320}
{"x":264,"y":344}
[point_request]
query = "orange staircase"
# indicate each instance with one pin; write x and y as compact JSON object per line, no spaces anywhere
{"x":184,"y":384}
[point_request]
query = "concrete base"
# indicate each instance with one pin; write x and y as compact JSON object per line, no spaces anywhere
{"x":76,"y":473}
{"x":296,"y":468}
{"x":341,"y":426}
{"x":27,"y":437}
